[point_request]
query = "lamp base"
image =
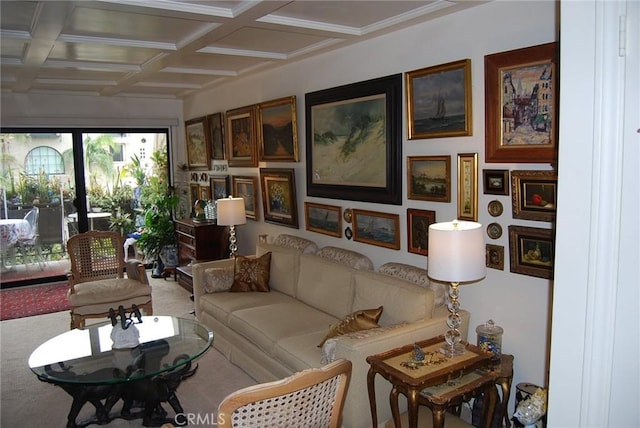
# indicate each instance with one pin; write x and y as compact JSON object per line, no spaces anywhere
{"x":452,"y":350}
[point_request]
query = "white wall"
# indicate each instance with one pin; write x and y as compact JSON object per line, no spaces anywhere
{"x":520,"y":304}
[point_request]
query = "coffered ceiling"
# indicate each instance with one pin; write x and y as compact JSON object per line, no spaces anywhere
{"x":172,"y":48}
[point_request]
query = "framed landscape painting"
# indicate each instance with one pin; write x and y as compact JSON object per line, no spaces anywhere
{"x":247,"y":189}
{"x":429,"y":178}
{"x":376,"y":228}
{"x":279,"y":196}
{"x":198,"y":144}
{"x":325,"y":219}
{"x":354,"y":141}
{"x":521,"y":105}
{"x":439,"y":101}
{"x":242,"y":137}
{"x":278,"y":130}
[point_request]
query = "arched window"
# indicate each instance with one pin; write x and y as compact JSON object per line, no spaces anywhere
{"x":44,"y":159}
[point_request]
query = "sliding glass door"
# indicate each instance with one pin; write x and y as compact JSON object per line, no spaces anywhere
{"x":79,"y":180}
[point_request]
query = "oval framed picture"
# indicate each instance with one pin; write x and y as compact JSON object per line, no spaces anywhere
{"x":495,"y":208}
{"x":494,"y":230}
{"x":347,"y":214}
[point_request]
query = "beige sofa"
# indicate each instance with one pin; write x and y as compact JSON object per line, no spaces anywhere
{"x":272,"y":335}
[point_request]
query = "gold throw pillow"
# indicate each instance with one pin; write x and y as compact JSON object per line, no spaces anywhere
{"x":356,"y":321}
{"x":252,"y":274}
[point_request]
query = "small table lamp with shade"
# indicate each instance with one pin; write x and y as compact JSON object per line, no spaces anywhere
{"x":230,"y":212}
{"x":456,"y":255}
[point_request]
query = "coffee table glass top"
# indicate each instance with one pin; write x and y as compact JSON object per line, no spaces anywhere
{"x":85,"y":356}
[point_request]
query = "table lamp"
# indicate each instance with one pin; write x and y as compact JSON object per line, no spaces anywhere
{"x":456,"y":255}
{"x":230,"y":213}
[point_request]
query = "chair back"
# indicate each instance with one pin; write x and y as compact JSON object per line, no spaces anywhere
{"x":32,"y":218}
{"x":96,"y":255}
{"x":310,"y":398}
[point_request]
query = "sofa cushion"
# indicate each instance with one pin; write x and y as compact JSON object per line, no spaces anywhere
{"x":217,"y":280}
{"x":222,"y":305}
{"x":355,"y":321}
{"x":402,"y":300}
{"x":346,"y":257}
{"x":284,"y":267}
{"x":325,"y":285}
{"x":251,"y":274}
{"x":296,"y":243}
{"x":301,"y":351}
{"x":265,"y":325}
{"x":417,"y":276}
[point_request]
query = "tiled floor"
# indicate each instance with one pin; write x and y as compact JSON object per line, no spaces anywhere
{"x":32,"y":271}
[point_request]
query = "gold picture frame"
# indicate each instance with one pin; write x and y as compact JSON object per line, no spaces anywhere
{"x":241,"y":136}
{"x":325,"y":219}
{"x":198,"y":141}
{"x":376,"y":228}
{"x":279,"y":201}
{"x":495,"y":256}
{"x":534,"y":195}
{"x":532,"y":251}
{"x":429,"y":178}
{"x":278,"y":128}
{"x":468,"y":186}
{"x":246,"y":187}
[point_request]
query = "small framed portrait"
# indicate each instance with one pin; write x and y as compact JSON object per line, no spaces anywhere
{"x":376,"y":228}
{"x":429,"y":178}
{"x":247,"y":189}
{"x":219,"y":186}
{"x":198,"y":142}
{"x":325,"y":219}
{"x":418,"y":222}
{"x":534,"y":195}
{"x":495,"y":256}
{"x":241,"y":135}
{"x":496,"y":181}
{"x":278,"y":130}
{"x":532,"y":251}
{"x":279,"y":196}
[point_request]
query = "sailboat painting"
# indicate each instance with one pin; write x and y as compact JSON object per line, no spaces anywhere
{"x":377,"y":228}
{"x":325,"y":219}
{"x":439,"y":101}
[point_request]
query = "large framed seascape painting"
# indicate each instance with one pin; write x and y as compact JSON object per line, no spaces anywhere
{"x":439,"y":101}
{"x":279,"y":196}
{"x":198,"y":143}
{"x":278,"y":130}
{"x":521,"y":105}
{"x":241,"y":136}
{"x":353,"y":141}
{"x":325,"y":219}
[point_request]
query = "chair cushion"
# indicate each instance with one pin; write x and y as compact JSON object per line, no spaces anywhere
{"x":107,"y":291}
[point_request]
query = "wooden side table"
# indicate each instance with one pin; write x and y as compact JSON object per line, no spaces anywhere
{"x":438,"y":384}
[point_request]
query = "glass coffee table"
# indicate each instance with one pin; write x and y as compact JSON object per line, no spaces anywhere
{"x":84,"y":364}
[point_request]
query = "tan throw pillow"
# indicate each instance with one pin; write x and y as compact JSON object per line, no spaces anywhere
{"x":217,"y":280}
{"x":356,"y":321}
{"x":252,"y":274}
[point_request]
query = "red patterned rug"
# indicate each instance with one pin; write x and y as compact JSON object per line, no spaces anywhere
{"x":23,"y":302}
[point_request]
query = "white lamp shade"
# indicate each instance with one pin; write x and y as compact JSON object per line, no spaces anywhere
{"x":456,"y":252}
{"x":230,"y":211}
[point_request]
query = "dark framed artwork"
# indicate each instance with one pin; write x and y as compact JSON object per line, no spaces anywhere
{"x":279,"y":201}
{"x":278,"y":128}
{"x":468,"y":186}
{"x":325,"y":219}
{"x":534,"y":194}
{"x":376,"y":228}
{"x":247,"y":189}
{"x":194,"y":194}
{"x":439,"y":101}
{"x":495,"y":181}
{"x":521,"y":105}
{"x":220,"y":186}
{"x":241,"y":136}
{"x":354,"y":141}
{"x":532,"y":251}
{"x":418,"y":222}
{"x":205,"y":193}
{"x":495,"y":256}
{"x":429,"y":178}
{"x":215,"y":123}
{"x":198,"y":142}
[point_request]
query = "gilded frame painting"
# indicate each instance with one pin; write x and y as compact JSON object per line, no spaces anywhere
{"x":279,"y":201}
{"x":197,"y":138}
{"x":532,"y":251}
{"x":429,"y":178}
{"x":278,"y":128}
{"x":521,"y":105}
{"x":241,"y":133}
{"x":215,"y":123}
{"x":494,"y":256}
{"x":376,"y":228}
{"x":534,"y":195}
{"x":468,"y":186}
{"x":194,"y":194}
{"x":325,"y":219}
{"x":246,"y":187}
{"x":439,"y":101}
{"x":496,"y":181}
{"x":219,"y":186}
{"x":418,"y":222}
{"x":354,"y":141}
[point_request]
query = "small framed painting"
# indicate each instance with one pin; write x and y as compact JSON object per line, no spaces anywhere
{"x":241,"y":136}
{"x":496,"y":181}
{"x":532,"y":251}
{"x":247,"y":189}
{"x":325,"y":219}
{"x":429,"y":178}
{"x":198,"y":143}
{"x":534,"y":194}
{"x":219,"y":187}
{"x":418,"y":222}
{"x":468,"y":186}
{"x":279,"y":196}
{"x":194,"y":193}
{"x":278,"y":130}
{"x":495,"y":256}
{"x":205,"y":193}
{"x":376,"y":228}
{"x":215,"y":123}
{"x":439,"y":101}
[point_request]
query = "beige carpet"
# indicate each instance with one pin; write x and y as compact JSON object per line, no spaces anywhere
{"x":27,"y":402}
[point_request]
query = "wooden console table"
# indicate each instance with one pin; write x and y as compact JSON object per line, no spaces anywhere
{"x":198,"y":242}
{"x":439,"y":383}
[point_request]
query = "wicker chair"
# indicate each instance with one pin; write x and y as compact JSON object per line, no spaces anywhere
{"x":97,"y":282}
{"x":310,"y":398}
